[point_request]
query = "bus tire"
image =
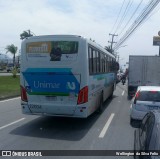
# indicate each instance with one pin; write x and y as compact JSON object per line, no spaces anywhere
{"x":100,"y":107}
{"x":111,"y":96}
{"x":131,"y":121}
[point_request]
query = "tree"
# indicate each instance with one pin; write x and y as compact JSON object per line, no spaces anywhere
{"x":108,"y":48}
{"x":25,"y":34}
{"x":13,"y":50}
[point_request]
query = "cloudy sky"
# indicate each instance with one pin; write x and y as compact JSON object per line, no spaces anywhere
{"x":93,"y":19}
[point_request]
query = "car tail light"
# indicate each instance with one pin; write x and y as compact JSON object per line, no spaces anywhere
{"x":83,"y":95}
{"x":137,"y":94}
{"x":24,"y":94}
{"x":136,"y":97}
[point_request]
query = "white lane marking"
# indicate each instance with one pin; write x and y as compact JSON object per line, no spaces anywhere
{"x":123,"y":93}
{"x":11,"y":123}
{"x":9,"y":99}
{"x":103,"y":132}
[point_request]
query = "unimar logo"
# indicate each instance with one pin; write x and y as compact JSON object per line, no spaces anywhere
{"x":71,"y":85}
{"x":44,"y":84}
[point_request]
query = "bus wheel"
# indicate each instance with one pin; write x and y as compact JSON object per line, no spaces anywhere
{"x":100,"y":107}
{"x":111,"y":96}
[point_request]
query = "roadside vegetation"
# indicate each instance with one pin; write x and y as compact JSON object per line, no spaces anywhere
{"x":9,"y":87}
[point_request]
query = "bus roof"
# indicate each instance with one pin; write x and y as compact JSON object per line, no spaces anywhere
{"x":72,"y":36}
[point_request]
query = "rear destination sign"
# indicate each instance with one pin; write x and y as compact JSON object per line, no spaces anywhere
{"x":156,"y":40}
{"x":38,"y":47}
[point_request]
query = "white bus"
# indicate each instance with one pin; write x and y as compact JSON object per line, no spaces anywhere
{"x":65,"y":75}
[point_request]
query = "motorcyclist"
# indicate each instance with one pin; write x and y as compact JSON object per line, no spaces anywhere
{"x":123,"y":78}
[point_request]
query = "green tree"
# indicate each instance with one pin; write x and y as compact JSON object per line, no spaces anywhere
{"x":108,"y":48}
{"x":13,"y":50}
{"x":25,"y":34}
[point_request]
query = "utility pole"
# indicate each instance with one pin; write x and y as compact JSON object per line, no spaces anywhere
{"x":113,"y":35}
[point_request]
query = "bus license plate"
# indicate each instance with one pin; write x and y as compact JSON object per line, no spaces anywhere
{"x":51,"y":98}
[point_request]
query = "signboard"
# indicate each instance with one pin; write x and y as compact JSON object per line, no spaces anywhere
{"x":156,"y":40}
{"x":38,"y":47}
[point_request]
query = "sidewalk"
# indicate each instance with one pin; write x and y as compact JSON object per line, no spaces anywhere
{"x":8,"y":97}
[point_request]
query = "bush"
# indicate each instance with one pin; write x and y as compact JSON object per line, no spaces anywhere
{"x":14,"y":72}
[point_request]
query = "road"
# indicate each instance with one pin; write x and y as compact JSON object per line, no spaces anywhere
{"x":108,"y":131}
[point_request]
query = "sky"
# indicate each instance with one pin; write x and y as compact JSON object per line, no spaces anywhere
{"x":93,"y":19}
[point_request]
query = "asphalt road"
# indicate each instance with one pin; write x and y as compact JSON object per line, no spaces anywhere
{"x":107,"y":131}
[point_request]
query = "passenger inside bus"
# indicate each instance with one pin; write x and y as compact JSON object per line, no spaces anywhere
{"x":56,"y":53}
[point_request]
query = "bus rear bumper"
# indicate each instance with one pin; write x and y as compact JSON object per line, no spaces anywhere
{"x":78,"y":112}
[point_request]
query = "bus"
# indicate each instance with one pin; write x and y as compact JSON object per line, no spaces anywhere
{"x":65,"y":75}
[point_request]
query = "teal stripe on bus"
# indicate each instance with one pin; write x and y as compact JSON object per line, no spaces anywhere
{"x":48,"y":70}
{"x":48,"y":93}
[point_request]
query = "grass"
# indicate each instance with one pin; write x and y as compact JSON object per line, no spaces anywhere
{"x":9,"y":87}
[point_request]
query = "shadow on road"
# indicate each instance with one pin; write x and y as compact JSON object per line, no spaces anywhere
{"x":60,"y":128}
{"x":136,"y":123}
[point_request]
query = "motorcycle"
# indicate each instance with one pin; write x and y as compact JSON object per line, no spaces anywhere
{"x":123,"y":81}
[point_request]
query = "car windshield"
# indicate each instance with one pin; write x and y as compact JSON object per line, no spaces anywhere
{"x":149,"y":96}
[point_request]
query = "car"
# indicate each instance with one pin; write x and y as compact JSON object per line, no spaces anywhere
{"x":9,"y":69}
{"x":147,"y":136}
{"x":146,"y":98}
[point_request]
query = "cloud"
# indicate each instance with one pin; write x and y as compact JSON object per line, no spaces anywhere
{"x":90,"y":18}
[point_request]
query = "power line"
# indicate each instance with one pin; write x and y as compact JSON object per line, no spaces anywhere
{"x":148,"y":9}
{"x":118,"y":16}
{"x":134,"y":27}
{"x":131,"y":17}
{"x":124,"y":15}
{"x":151,"y":15}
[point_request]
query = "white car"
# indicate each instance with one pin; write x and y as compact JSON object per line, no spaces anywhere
{"x":147,"y":98}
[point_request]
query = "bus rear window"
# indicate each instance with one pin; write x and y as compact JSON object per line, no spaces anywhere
{"x":149,"y":96}
{"x":53,"y":50}
{"x":66,"y":47}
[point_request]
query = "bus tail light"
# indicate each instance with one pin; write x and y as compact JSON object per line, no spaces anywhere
{"x":83,"y":95}
{"x":24,"y":94}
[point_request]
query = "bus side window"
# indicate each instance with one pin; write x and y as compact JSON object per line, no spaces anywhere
{"x":107,"y":64}
{"x":101,"y":63}
{"x":98,"y":61}
{"x":94,"y":61}
{"x":111,"y":64}
{"x":90,"y":61}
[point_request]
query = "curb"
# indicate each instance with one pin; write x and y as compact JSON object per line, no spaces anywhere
{"x":9,"y":97}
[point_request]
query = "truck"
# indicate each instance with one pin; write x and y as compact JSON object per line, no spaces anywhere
{"x":143,"y":71}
